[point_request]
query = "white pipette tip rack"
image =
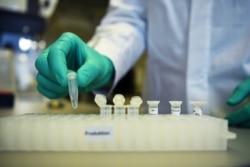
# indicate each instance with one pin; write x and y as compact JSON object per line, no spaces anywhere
{"x":80,"y":132}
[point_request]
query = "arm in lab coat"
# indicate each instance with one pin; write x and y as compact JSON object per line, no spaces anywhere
{"x":121,"y":36}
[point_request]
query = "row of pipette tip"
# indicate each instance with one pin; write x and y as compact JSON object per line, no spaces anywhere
{"x":135,"y":103}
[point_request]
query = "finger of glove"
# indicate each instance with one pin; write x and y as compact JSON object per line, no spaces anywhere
{"x":90,"y":87}
{"x":51,"y":86}
{"x":240,"y":116}
{"x":96,"y":72}
{"x":57,"y":58}
{"x":239,"y":93}
{"x":42,"y":65}
{"x":87,"y":73}
{"x":49,"y":94}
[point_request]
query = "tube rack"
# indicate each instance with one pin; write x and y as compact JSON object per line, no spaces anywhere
{"x":78,"y":132}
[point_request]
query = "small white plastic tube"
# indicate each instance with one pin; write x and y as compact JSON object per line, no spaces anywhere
{"x":197,"y":107}
{"x":106,"y":111}
{"x":153,"y":107}
{"x":119,"y":108}
{"x":119,"y":100}
{"x":136,"y":101}
{"x":100,"y":100}
{"x":133,"y":108}
{"x":73,"y":89}
{"x":133,"y":111}
{"x":175,"y":107}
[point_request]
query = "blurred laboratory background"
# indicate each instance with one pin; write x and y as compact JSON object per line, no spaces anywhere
{"x":29,"y":26}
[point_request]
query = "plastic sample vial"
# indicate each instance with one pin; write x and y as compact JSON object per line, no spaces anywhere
{"x":119,"y":108}
{"x":136,"y":101}
{"x":106,"y":111}
{"x":133,"y":108}
{"x":73,"y":88}
{"x":153,"y":107}
{"x":175,"y":107}
{"x":197,"y":107}
{"x":119,"y":112}
{"x":119,"y":100}
{"x":100,"y":100}
{"x":133,"y":111}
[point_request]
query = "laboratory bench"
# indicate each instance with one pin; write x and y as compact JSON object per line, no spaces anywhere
{"x":237,"y":154}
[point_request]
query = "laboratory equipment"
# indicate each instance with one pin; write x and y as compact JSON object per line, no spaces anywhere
{"x":175,"y":107}
{"x":136,"y":101}
{"x":133,"y":108}
{"x":132,"y":111}
{"x":119,"y":108}
{"x":73,"y":88}
{"x":153,"y":107}
{"x":197,"y":107}
{"x":119,"y":100}
{"x":100,"y":100}
{"x":106,"y":111}
{"x":86,"y":132}
{"x":7,"y":79}
{"x":119,"y":111}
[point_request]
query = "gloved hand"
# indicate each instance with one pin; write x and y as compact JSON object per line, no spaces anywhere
{"x":241,"y":117}
{"x":70,"y":53}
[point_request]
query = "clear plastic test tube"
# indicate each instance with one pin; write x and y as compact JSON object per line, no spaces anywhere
{"x":73,"y":89}
{"x":175,"y":107}
{"x":119,"y":108}
{"x":197,"y":107}
{"x":133,"y":108}
{"x":153,"y":107}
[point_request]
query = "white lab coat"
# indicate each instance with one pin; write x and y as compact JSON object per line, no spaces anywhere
{"x":197,"y":50}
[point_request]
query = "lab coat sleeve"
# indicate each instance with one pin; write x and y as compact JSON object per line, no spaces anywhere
{"x":121,"y":35}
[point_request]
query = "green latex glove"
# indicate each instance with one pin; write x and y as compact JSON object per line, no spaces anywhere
{"x":241,"y":117}
{"x":70,"y":53}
